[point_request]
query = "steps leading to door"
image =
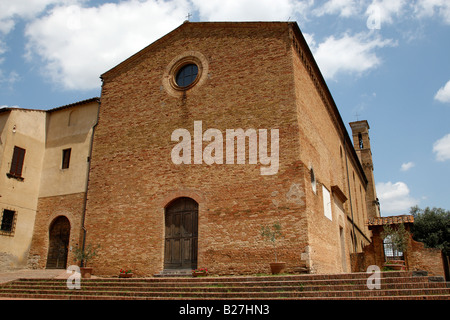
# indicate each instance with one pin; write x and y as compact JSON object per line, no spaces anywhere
{"x":394,"y":286}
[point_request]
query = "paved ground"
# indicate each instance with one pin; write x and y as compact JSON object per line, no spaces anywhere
{"x":7,"y":276}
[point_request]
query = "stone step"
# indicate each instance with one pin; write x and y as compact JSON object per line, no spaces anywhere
{"x":361,"y":294}
{"x":306,"y":277}
{"x":234,"y":294}
{"x":216,"y":282}
{"x":221,"y":286}
{"x":342,"y":286}
{"x":179,"y":298}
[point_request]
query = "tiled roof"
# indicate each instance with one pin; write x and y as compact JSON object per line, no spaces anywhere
{"x":379,"y":221}
{"x":95,"y":99}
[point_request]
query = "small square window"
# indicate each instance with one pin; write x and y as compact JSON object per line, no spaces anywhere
{"x":7,"y":220}
{"x":66,"y":158}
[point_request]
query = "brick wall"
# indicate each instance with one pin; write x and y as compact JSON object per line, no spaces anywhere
{"x":417,"y":257}
{"x":249,"y":83}
{"x":48,"y":209}
{"x":429,"y":259}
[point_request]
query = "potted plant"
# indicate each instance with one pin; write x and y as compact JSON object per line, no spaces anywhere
{"x":395,"y":265}
{"x":398,"y":240}
{"x":83,"y":256}
{"x":124,"y":273}
{"x":272,"y":234}
{"x":200,"y":272}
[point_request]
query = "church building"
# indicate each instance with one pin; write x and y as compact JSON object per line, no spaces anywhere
{"x":213,"y":132}
{"x":202,"y":139}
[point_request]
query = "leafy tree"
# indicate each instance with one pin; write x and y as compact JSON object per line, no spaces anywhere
{"x":432,"y":227}
{"x":398,"y":238}
{"x":85,"y":255}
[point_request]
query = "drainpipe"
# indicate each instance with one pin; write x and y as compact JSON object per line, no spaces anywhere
{"x":87,"y":184}
{"x":350,"y":197}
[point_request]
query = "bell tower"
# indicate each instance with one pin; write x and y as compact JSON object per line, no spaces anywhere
{"x":361,"y":143}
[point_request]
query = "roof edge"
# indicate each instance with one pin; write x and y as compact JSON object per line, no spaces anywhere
{"x":95,"y":99}
{"x":329,"y":98}
{"x":122,"y":65}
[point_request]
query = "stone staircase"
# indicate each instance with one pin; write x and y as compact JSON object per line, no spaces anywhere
{"x":353,"y":286}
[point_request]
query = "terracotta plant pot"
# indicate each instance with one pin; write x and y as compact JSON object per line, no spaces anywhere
{"x":86,"y":272}
{"x":395,"y":265}
{"x":199,"y":274}
{"x":277,"y":267}
{"x":126,"y":275}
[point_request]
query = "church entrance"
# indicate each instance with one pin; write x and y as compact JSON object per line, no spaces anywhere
{"x":59,"y":236}
{"x":181,"y":234}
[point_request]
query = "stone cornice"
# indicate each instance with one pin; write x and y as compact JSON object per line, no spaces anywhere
{"x":304,"y":53}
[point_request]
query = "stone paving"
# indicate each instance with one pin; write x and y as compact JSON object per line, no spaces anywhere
{"x":6,"y":276}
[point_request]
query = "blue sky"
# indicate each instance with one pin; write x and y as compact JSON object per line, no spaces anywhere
{"x":386,"y":61}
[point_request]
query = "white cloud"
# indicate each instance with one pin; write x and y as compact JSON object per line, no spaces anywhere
{"x":442,"y":148}
{"x":10,"y":11}
{"x":13,"y":11}
{"x":349,"y":54}
{"x":443,"y":95}
{"x":386,"y":9}
{"x":430,"y":8}
{"x":394,"y":197}
{"x":247,"y":10}
{"x":78,"y":44}
{"x":345,"y":8}
{"x":406,"y":166}
{"x":8,"y":80}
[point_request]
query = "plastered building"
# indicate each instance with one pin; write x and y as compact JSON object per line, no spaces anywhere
{"x":44,"y":162}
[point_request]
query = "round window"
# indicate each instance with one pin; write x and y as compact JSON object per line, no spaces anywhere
{"x":185,"y":72}
{"x":186,"y":75}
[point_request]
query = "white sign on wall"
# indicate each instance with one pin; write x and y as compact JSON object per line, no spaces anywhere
{"x":327,"y":203}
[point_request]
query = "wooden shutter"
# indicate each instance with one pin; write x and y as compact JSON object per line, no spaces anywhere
{"x":17,"y":162}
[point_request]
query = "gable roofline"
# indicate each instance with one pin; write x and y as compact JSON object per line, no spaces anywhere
{"x":111,"y":73}
{"x":78,"y":103}
{"x":118,"y":68}
{"x":82,"y":102}
{"x":306,"y":57}
{"x":317,"y":78}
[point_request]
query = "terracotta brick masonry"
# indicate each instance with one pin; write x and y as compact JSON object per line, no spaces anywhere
{"x":353,"y":286}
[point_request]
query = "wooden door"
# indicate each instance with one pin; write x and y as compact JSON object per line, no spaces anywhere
{"x":59,"y":236}
{"x":181,"y":234}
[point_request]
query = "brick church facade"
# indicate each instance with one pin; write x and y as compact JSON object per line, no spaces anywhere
{"x":150,"y":214}
{"x":204,"y":137}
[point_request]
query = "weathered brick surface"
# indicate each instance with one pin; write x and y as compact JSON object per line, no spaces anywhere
{"x":392,"y":286}
{"x":254,"y":80}
{"x":48,"y":209}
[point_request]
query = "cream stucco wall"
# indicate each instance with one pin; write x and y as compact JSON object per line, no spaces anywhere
{"x":67,"y":128}
{"x":25,"y":129}
{"x":44,"y":135}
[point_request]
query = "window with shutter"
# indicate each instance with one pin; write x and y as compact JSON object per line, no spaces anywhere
{"x":17,"y":163}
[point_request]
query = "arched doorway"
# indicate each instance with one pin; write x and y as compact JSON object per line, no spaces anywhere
{"x":59,"y":235}
{"x":181,"y":234}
